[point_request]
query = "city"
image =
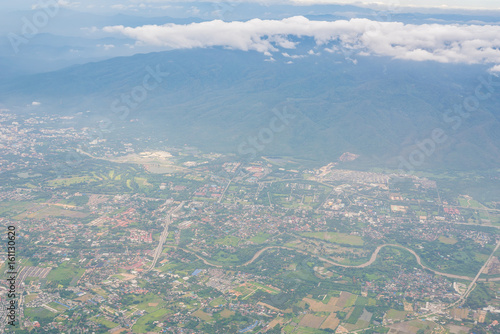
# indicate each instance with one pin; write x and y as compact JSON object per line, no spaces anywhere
{"x":135,"y":236}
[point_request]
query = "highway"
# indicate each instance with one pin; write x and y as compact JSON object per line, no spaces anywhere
{"x":464,"y":296}
{"x":224,"y":192}
{"x":163,"y":237}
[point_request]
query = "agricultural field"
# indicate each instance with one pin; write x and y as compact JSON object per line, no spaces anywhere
{"x":396,"y":315}
{"x":105,"y":322}
{"x":338,"y":238}
{"x":39,"y":314}
{"x":13,"y":208}
{"x":50,"y":210}
{"x":218,"y":301}
{"x":260,"y":238}
{"x":64,"y":275}
{"x":64,"y":182}
{"x":144,"y":324}
{"x":448,"y":241}
{"x":246,"y":290}
{"x":336,"y":309}
{"x":228,"y":241}
{"x":470,"y":203}
{"x":226,"y":313}
{"x":202,"y":315}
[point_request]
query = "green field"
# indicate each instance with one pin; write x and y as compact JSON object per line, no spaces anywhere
{"x":203,"y":315}
{"x":64,"y":182}
{"x":13,"y":208}
{"x":105,"y":322}
{"x":39,"y":314}
{"x":265,"y":288}
{"x":147,"y":303}
{"x":361,"y":301}
{"x":228,"y":241}
{"x":141,"y":326}
{"x":142,"y":182}
{"x":64,"y":275}
{"x":218,"y":301}
{"x":351,"y":301}
{"x":224,"y":257}
{"x":396,"y":315}
{"x":57,"y":306}
{"x":470,"y":203}
{"x":356,"y":313}
{"x":448,"y":241}
{"x":251,"y":287}
{"x":260,"y":238}
{"x":308,"y":330}
{"x":338,"y":238}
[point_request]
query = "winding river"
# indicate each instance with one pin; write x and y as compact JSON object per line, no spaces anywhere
{"x":372,"y":259}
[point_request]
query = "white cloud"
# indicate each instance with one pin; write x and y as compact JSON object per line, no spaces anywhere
{"x":436,"y":42}
{"x":119,"y":7}
{"x":36,"y":103}
{"x":293,"y":56}
{"x":194,"y":10}
{"x":106,"y":46}
{"x":90,"y":30}
{"x":59,"y":3}
{"x":64,"y":3}
{"x":495,"y":69}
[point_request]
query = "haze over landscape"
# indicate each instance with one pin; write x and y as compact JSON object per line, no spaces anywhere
{"x":250,"y":166}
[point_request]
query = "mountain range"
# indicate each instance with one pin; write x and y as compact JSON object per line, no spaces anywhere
{"x":385,"y":110}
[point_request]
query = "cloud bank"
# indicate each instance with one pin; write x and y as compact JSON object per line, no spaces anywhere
{"x":471,"y":44}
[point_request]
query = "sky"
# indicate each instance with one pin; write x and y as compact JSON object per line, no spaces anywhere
{"x":471,"y":38}
{"x":96,"y":4}
{"x":468,"y":4}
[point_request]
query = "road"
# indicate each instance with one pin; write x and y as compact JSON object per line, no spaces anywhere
{"x":224,"y":192}
{"x":462,"y":298}
{"x":201,"y":258}
{"x":163,"y":237}
{"x":471,"y":285}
